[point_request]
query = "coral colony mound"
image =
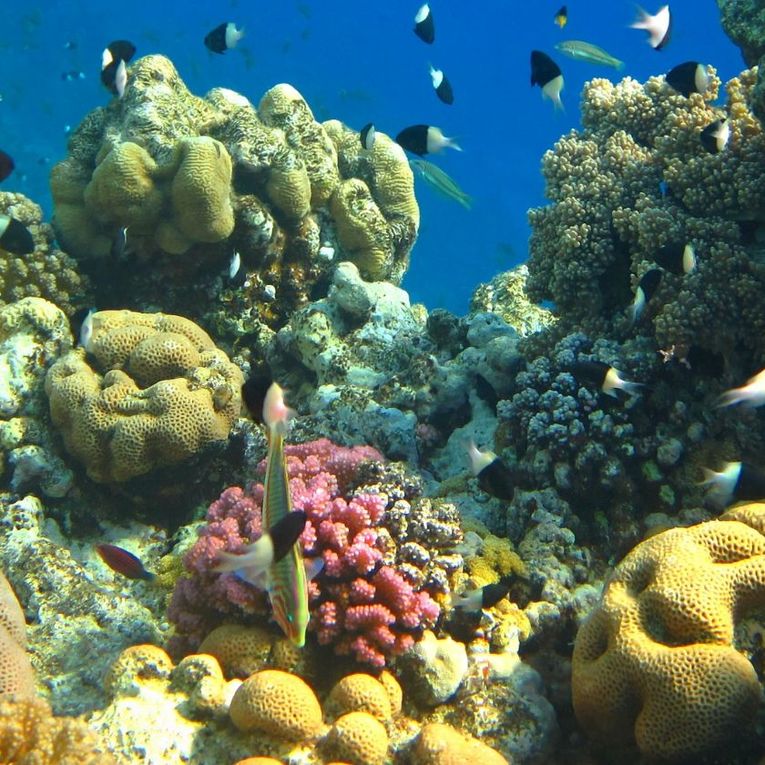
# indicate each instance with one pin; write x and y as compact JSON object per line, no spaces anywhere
{"x":524,"y":535}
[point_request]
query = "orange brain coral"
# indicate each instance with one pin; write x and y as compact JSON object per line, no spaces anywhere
{"x":656,"y":659}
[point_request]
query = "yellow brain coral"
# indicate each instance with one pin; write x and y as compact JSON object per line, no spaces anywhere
{"x":656,"y":660}
{"x":359,"y":693}
{"x":358,"y":738}
{"x":30,"y":735}
{"x":158,"y":392}
{"x":440,"y":744}
{"x":241,"y":650}
{"x":277,"y":703}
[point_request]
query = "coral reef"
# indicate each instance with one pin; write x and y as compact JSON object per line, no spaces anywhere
{"x":47,"y":272}
{"x":78,"y":621}
{"x":29,"y":733}
{"x":656,"y":660}
{"x":369,"y":367}
{"x":610,"y":216}
{"x":159,"y":711}
{"x":158,"y":391}
{"x":383,"y":554}
{"x":33,"y":334}
{"x":16,"y":676}
{"x":194,"y":179}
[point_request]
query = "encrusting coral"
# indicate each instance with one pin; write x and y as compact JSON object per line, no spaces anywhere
{"x":656,"y":662}
{"x":158,"y":392}
{"x":197,"y":178}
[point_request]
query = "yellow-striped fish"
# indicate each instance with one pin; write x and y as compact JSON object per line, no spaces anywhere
{"x":439,"y":180}
{"x":275,"y":561}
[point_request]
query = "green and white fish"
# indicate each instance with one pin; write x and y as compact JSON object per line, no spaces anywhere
{"x":275,"y":561}
{"x":592,"y":54}
{"x":444,"y":184}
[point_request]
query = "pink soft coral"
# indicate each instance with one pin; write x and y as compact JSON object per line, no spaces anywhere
{"x":359,"y":604}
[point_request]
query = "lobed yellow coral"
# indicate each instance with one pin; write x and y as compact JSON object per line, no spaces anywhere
{"x":656,"y":660}
{"x":158,"y":392}
{"x":359,"y":692}
{"x":440,"y":744}
{"x":241,"y":650}
{"x":359,"y":739}
{"x":279,"y":704}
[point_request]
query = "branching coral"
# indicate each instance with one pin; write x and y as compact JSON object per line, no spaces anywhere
{"x":47,"y":272}
{"x":380,"y":553}
{"x":609,"y":215}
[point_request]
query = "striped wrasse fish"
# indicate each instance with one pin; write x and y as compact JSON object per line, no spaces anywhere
{"x":444,"y":184}
{"x":592,"y":54}
{"x":275,"y":561}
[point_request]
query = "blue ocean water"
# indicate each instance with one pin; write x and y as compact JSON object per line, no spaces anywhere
{"x":359,"y":62}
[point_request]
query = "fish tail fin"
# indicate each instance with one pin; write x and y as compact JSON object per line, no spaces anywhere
{"x":709,"y":477}
{"x":642,"y":19}
{"x":632,"y":388}
{"x":730,"y":398}
{"x":452,"y":144}
{"x":257,"y":556}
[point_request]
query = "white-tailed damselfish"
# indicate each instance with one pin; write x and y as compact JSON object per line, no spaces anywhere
{"x":442,"y":86}
{"x":688,"y":77}
{"x":604,"y":377}
{"x":493,"y":474}
{"x":714,"y":137}
{"x":676,"y":257}
{"x":367,"y":136}
{"x":546,"y":73}
{"x":647,"y":286}
{"x":736,"y":482}
{"x":113,"y":54}
{"x":425,"y":139}
{"x":224,"y":37}
{"x":15,"y":236}
{"x":424,"y":27}
{"x":658,"y":26}
{"x":752,"y":394}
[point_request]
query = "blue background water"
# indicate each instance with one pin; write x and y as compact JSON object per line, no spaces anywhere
{"x":359,"y":62}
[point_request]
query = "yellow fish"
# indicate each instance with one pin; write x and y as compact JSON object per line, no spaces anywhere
{"x":561,"y":17}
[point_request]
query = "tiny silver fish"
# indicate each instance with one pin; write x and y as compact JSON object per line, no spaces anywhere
{"x":235,"y":264}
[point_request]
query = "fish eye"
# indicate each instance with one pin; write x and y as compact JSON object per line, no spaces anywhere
{"x":290,"y":618}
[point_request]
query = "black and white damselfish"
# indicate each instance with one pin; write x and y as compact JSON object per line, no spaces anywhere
{"x":604,"y":377}
{"x":646,"y":289}
{"x":15,"y":237}
{"x":224,"y":37}
{"x":688,"y":77}
{"x":424,"y":26}
{"x":547,"y":74}
{"x":114,"y":53}
{"x":493,"y":475}
{"x":425,"y":139}
{"x":736,"y":482}
{"x":714,"y":137}
{"x":442,"y":85}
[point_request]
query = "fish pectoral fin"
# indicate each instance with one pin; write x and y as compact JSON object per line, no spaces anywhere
{"x":256,"y":577}
{"x":313,"y":567}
